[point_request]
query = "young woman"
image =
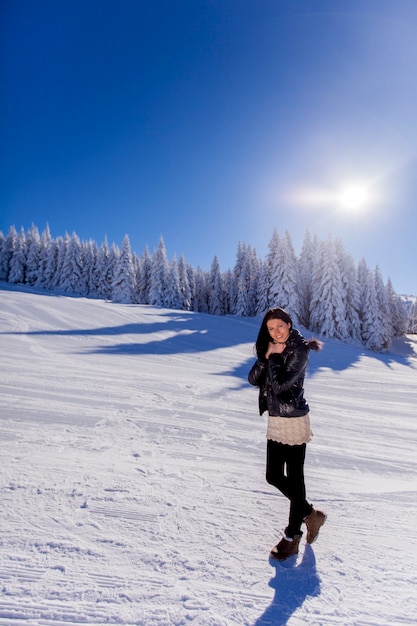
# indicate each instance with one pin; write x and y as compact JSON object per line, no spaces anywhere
{"x":279,"y":373}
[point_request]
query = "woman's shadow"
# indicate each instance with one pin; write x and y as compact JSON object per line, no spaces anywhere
{"x":292,"y":584}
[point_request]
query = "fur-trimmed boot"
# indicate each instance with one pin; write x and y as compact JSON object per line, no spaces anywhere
{"x":286,"y":547}
{"x":314,"y":521}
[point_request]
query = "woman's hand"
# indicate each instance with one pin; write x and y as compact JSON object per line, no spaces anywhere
{"x":274,"y":348}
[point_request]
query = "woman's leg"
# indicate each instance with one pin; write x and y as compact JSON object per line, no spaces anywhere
{"x":285,"y":471}
{"x":299,"y":508}
{"x":275,"y":466}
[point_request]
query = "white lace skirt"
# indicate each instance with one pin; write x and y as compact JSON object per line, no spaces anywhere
{"x":292,"y":431}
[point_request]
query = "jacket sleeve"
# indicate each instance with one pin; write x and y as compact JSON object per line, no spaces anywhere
{"x":284,"y":373}
{"x":257,"y":373}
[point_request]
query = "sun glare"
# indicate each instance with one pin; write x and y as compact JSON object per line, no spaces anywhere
{"x":354,"y":198}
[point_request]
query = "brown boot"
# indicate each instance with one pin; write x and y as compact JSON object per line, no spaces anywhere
{"x":285,"y":548}
{"x":314,"y":521}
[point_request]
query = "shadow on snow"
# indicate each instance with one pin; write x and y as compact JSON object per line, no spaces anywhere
{"x":292,"y":584}
{"x":182,"y":332}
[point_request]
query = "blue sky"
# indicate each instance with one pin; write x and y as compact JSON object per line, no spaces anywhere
{"x":211,"y":122}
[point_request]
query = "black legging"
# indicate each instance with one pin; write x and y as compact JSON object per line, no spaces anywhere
{"x":285,"y":471}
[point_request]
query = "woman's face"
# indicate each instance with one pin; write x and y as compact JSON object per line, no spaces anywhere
{"x":278,"y":330}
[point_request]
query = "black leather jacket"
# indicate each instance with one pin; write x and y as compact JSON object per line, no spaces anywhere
{"x":281,"y":378}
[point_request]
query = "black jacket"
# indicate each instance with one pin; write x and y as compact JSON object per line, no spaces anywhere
{"x":281,"y":378}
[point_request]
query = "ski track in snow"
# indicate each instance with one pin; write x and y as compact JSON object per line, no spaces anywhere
{"x":132,"y":482}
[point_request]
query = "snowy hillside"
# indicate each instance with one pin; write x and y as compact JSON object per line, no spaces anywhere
{"x":132,"y":475}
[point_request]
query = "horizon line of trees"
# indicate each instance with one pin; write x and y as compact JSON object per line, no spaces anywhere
{"x":322,"y":288}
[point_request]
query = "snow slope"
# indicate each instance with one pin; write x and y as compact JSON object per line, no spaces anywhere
{"x":132,"y":475}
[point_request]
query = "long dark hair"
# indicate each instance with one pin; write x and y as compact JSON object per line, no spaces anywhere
{"x":262,"y":342}
{"x":264,"y":337}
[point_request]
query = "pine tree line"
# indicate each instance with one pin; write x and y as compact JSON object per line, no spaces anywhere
{"x":322,"y":288}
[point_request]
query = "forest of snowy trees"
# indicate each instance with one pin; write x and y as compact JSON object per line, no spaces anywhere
{"x":322,"y":288}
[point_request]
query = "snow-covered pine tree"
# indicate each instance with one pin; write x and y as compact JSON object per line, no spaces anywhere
{"x":215,"y":289}
{"x":401,"y":317}
{"x":273,"y":261}
{"x":192,"y":284}
{"x":70,"y":278}
{"x":113,"y":261}
{"x":159,"y":275}
{"x":328,"y":310}
{"x":144,"y":277}
{"x":229,"y":279}
{"x":50,"y":271}
{"x":305,"y":279}
{"x":89,"y":269}
{"x":9,"y":248}
{"x":350,"y":291}
{"x":283,"y":291}
{"x":44,"y":248}
{"x":229,"y":289}
{"x":173,"y":296}
{"x":136,"y":273}
{"x":201,"y":291}
{"x":62,"y":253}
{"x":242,"y":279}
{"x":124,"y":287}
{"x":33,"y":246}
{"x":316,"y":303}
{"x":412,"y":320}
{"x":387,"y":330}
{"x":262,"y":289}
{"x":184,"y":284}
{"x":83,"y":282}
{"x":17,"y":265}
{"x":104,"y":270}
{"x":399,"y":314}
{"x":235,"y":286}
{"x":372,"y":328}
{"x":255,"y":267}
{"x":290,"y":276}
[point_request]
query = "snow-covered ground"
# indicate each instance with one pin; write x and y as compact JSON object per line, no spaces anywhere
{"x":132,"y":474}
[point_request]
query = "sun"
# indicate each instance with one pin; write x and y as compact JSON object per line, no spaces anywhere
{"x":354,"y":198}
